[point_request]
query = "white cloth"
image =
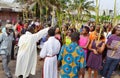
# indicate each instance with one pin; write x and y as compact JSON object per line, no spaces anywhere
{"x":27,"y":53}
{"x":107,"y":35}
{"x":49,"y":52}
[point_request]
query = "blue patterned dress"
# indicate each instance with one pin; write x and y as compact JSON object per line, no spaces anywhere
{"x":72,"y":59}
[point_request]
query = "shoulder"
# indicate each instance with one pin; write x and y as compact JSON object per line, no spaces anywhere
{"x":63,"y":47}
{"x":112,"y":36}
{"x":57,"y":40}
{"x":2,"y":34}
{"x":93,"y":32}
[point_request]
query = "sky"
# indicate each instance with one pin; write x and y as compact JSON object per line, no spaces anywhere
{"x":108,"y":4}
{"x":104,"y":4}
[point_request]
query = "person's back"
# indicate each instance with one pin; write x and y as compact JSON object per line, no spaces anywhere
{"x":72,"y":59}
{"x":53,"y":45}
{"x":27,"y":48}
{"x":27,"y":53}
{"x":49,"y":52}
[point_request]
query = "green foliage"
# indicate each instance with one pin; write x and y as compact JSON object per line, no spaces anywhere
{"x":84,"y":8}
{"x":118,"y":17}
{"x":44,"y":8}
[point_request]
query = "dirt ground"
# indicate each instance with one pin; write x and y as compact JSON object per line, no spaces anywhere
{"x":38,"y":70}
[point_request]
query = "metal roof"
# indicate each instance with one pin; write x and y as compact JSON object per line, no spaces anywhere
{"x":15,"y":7}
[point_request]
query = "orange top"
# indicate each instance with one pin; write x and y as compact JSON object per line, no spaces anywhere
{"x":92,"y":36}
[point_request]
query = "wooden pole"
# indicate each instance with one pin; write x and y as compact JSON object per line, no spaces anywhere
{"x":53,"y":16}
{"x":101,"y":28}
{"x":97,"y":12}
{"x":46,"y":13}
{"x":23,"y":10}
{"x":114,"y":20}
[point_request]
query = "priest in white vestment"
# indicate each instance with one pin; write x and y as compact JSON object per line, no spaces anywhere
{"x":27,"y":53}
{"x":49,"y":52}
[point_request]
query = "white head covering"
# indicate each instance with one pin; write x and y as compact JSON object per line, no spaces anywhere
{"x":8,"y":21}
{"x":37,"y":23}
{"x":9,"y":26}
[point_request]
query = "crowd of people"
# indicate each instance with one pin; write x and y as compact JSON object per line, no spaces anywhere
{"x":67,"y":52}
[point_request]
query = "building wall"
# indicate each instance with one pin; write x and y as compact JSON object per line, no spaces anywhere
{"x":8,"y":16}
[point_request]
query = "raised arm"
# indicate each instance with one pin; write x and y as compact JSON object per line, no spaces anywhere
{"x":40,"y":34}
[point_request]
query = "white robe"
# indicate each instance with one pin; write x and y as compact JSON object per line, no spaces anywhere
{"x":27,"y":53}
{"x":49,"y":52}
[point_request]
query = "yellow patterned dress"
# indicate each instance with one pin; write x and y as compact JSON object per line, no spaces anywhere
{"x":72,"y":59}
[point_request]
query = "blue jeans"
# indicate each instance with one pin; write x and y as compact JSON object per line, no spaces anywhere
{"x":109,"y":67}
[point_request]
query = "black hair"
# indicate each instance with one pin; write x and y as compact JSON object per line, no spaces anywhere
{"x":33,"y":25}
{"x":20,"y":22}
{"x":67,"y":26}
{"x":49,"y":24}
{"x":75,"y":36}
{"x":71,"y":30}
{"x":31,"y":29}
{"x":93,"y":28}
{"x":114,"y":30}
{"x":87,"y":29}
{"x":51,"y":31}
{"x":59,"y":30}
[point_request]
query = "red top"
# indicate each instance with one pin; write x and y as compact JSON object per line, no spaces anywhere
{"x":19,"y":28}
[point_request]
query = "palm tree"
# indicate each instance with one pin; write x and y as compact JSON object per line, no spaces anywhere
{"x":84,"y":7}
{"x":25,"y":6}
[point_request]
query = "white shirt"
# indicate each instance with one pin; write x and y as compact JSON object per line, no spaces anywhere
{"x":50,"y":47}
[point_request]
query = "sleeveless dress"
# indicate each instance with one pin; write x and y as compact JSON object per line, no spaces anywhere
{"x":95,"y":60}
{"x":83,"y":42}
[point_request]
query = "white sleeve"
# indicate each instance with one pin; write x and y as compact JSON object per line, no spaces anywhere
{"x":43,"y":51}
{"x":40,"y":34}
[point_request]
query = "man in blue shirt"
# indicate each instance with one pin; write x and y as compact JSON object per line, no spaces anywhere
{"x":6,"y":39}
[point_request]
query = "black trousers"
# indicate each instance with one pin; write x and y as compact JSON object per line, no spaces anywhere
{"x":12,"y":51}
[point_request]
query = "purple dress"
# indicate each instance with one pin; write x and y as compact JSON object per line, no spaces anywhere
{"x":95,"y":60}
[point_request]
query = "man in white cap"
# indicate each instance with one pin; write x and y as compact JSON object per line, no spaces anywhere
{"x":6,"y":39}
